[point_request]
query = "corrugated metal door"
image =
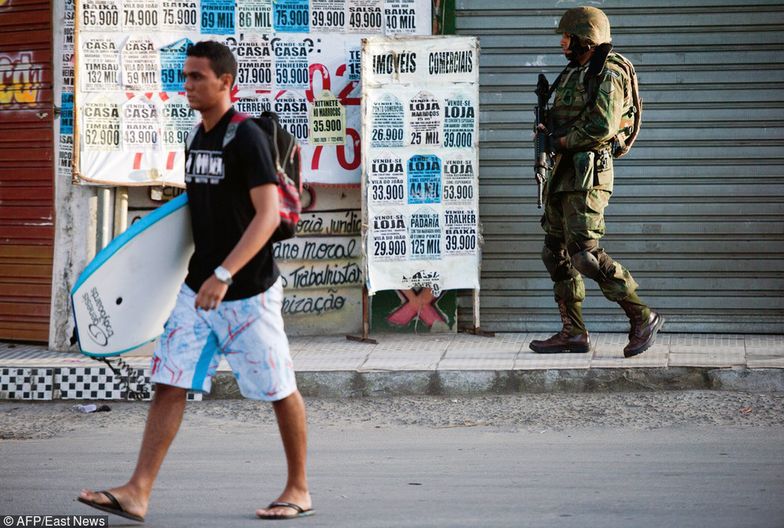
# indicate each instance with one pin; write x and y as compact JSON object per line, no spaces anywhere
{"x":26,"y":169}
{"x":698,"y":209}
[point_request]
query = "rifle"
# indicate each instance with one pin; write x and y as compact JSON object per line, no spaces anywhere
{"x":541,"y":151}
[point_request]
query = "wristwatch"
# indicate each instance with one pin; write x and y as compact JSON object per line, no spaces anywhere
{"x":223,"y":275}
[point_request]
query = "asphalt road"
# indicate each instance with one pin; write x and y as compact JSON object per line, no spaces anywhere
{"x":688,"y":459}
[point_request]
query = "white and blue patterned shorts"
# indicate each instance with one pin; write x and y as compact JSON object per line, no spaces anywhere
{"x":247,"y":332}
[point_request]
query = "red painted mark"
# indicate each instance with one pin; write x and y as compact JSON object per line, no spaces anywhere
{"x":421,"y":306}
{"x":234,"y":333}
{"x":137,"y":161}
{"x":170,"y":160}
{"x":156,"y":363}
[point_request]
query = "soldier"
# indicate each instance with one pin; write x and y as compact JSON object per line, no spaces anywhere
{"x":582,"y":134}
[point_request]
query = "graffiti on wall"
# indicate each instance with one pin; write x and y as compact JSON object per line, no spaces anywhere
{"x":416,"y":310}
{"x":321,"y":267}
{"x":20,"y":79}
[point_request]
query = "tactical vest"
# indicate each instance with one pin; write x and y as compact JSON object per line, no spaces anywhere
{"x":576,"y":89}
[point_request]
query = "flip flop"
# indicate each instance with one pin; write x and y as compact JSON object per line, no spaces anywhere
{"x":114,"y":506}
{"x":301,"y":512}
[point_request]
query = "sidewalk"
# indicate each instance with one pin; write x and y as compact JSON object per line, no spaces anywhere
{"x":433,"y":364}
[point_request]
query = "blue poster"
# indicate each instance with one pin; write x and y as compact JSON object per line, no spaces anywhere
{"x":172,"y":63}
{"x":424,"y":179}
{"x":217,"y":17}
{"x":290,"y":16}
{"x":66,"y":113}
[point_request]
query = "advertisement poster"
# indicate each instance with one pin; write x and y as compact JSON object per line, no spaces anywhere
{"x":328,"y":15}
{"x":327,"y":120}
{"x":420,"y":163}
{"x":290,"y":55}
{"x":255,"y":15}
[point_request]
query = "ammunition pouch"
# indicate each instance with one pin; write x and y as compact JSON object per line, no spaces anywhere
{"x":593,"y":169}
{"x":583,"y":163}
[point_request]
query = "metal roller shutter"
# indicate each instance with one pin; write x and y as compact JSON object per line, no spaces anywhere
{"x":698,"y":209}
{"x":26,"y":169}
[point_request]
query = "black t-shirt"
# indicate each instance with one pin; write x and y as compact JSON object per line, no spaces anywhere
{"x":218,"y":182}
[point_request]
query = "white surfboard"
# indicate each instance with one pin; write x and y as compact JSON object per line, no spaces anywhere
{"x":124,"y":296}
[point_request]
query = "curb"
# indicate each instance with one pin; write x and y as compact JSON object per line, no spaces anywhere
{"x":358,"y":384}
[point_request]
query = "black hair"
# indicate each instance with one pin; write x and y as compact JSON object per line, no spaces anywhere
{"x":221,"y":58}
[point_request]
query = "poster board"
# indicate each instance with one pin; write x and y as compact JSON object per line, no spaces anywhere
{"x":420,"y":108}
{"x":298,"y":58}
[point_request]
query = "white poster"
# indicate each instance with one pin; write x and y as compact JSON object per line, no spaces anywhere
{"x":141,"y":15}
{"x":365,"y":16}
{"x":141,"y":68}
{"x":179,"y":15}
{"x":400,"y":17}
{"x":328,"y":16}
{"x":101,"y":125}
{"x":99,"y":63}
{"x":420,"y":163}
{"x":100,"y":15}
{"x":290,"y":54}
{"x":255,"y":67}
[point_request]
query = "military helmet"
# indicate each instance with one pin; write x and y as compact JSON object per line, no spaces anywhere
{"x":588,"y":23}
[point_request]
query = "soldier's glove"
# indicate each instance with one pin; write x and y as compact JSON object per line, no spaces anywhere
{"x":554,"y":144}
{"x":549,"y":143}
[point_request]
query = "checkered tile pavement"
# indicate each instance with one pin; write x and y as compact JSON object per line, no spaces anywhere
{"x":35,"y":373}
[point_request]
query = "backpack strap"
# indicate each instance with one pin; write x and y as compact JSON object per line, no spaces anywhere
{"x":595,"y":67}
{"x":234,"y":124}
{"x":231,"y":130}
{"x":191,"y":136}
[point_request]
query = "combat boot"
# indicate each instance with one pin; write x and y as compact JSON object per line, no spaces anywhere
{"x":645,"y":323}
{"x":573,"y":337}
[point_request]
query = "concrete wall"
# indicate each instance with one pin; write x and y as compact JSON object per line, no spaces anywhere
{"x":75,"y":206}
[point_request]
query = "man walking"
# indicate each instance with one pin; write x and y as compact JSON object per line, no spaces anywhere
{"x":230,"y":303}
{"x":585,"y":120}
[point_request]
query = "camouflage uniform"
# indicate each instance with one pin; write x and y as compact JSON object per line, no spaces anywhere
{"x":581,"y":183}
{"x":580,"y":186}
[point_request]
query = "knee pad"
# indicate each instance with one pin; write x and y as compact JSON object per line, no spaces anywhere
{"x":586,"y":263}
{"x":591,"y":260}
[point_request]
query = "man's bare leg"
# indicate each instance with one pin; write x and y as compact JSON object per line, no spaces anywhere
{"x":290,"y":413}
{"x":163,"y":422}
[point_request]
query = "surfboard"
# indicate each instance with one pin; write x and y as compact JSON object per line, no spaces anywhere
{"x":123,"y":297}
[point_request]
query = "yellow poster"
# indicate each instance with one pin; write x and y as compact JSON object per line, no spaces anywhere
{"x":327,"y":120}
